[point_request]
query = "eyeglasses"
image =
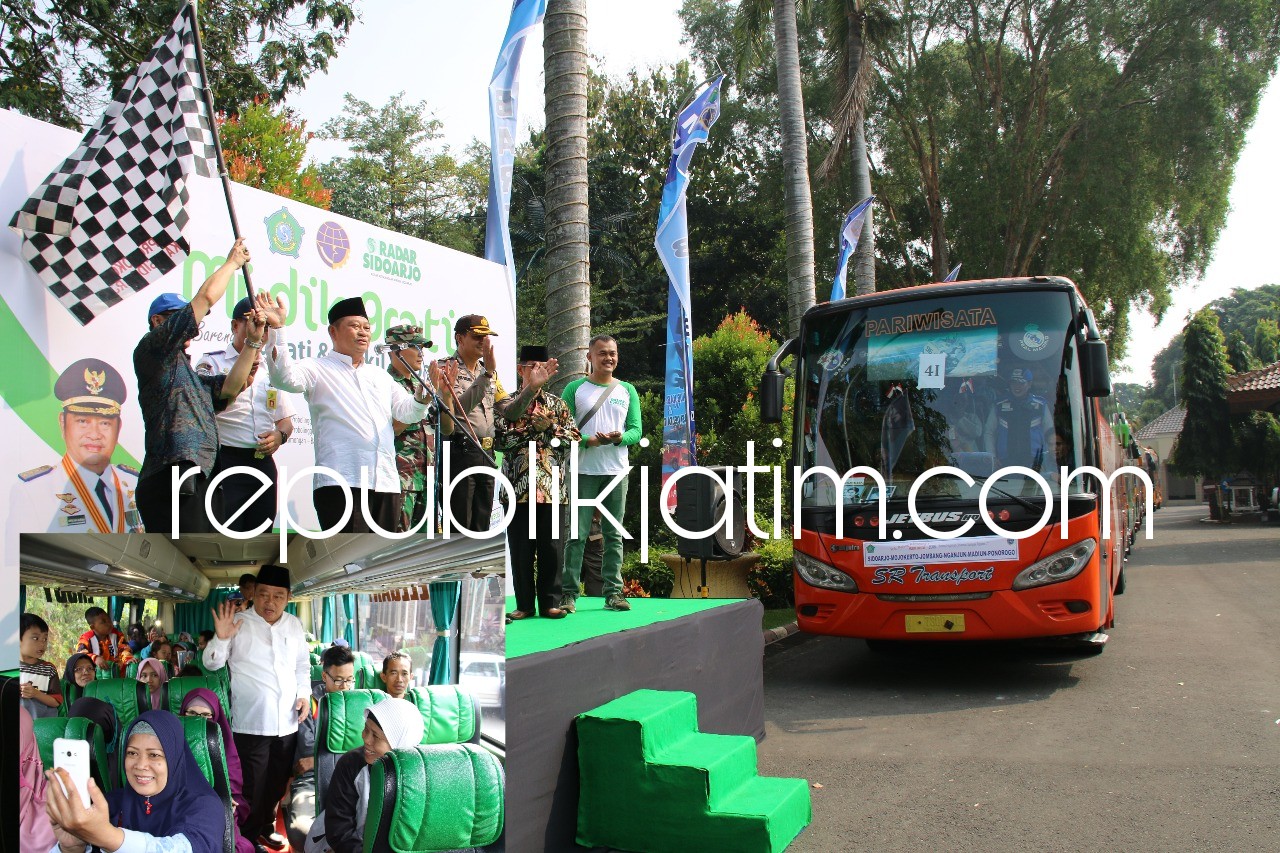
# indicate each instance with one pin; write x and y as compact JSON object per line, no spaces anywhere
{"x":192,"y":712}
{"x":340,"y":682}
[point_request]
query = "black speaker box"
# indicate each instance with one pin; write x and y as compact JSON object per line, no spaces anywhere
{"x":700,"y":503}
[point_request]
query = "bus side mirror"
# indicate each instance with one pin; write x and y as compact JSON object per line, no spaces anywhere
{"x":1097,"y":372}
{"x":771,"y":386}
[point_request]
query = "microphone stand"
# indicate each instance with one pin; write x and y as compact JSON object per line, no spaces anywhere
{"x":437,"y":426}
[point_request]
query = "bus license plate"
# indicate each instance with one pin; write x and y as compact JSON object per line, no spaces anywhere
{"x":936,"y":623}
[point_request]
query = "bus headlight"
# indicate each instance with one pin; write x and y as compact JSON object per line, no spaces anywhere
{"x":819,"y":574}
{"x":1061,"y":566}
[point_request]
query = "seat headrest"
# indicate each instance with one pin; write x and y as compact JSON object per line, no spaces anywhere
{"x":343,"y":713}
{"x":448,"y":713}
{"x":431,"y":798}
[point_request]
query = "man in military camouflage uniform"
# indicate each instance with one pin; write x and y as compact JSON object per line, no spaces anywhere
{"x":414,"y":442}
{"x":83,"y":492}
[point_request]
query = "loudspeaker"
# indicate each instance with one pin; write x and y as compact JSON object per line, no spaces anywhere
{"x":700,"y":503}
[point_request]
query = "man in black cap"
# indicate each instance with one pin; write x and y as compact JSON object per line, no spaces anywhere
{"x":83,"y":491}
{"x":353,"y":405}
{"x":250,"y":430}
{"x":540,"y":490}
{"x":270,"y":662}
{"x":178,"y":404}
{"x":469,"y":385}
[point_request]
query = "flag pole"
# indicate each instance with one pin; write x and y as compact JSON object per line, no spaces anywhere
{"x":190,"y":9}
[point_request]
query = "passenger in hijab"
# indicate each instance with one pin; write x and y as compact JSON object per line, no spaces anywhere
{"x":78,"y":674}
{"x":203,"y":702}
{"x":153,"y":673}
{"x":34,"y":829}
{"x":165,"y":795}
{"x":389,"y":724}
{"x":103,"y":715}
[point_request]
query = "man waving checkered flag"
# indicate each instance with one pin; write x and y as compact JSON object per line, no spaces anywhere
{"x":109,"y":220}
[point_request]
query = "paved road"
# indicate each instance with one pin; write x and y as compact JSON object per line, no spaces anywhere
{"x":1168,"y":741}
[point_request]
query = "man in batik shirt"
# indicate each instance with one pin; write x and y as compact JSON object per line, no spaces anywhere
{"x":414,"y":443}
{"x":541,"y":492}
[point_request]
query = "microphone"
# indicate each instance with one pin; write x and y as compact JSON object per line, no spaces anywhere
{"x":381,"y":348}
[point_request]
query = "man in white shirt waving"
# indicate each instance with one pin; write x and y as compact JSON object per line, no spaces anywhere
{"x":266,"y":649}
{"x":352,"y":408}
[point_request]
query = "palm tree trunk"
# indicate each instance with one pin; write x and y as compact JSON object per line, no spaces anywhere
{"x":568,"y":279}
{"x":864,"y":257}
{"x":795,"y":165}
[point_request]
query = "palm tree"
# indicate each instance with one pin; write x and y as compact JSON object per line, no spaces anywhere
{"x":749,"y":27}
{"x":849,"y":26}
{"x":568,"y":244}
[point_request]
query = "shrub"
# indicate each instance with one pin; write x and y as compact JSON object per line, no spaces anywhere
{"x":652,"y":578}
{"x":772,"y":579}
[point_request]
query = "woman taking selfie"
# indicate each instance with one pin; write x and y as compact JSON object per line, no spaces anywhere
{"x":166,"y":805}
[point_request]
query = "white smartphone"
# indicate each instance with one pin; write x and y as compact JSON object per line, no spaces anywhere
{"x":73,"y":756}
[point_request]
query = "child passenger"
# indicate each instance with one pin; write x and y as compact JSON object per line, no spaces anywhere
{"x":390,"y":724}
{"x":41,"y":690}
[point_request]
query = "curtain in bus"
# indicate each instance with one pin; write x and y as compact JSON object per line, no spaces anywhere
{"x":444,"y":610}
{"x":349,"y":611}
{"x":194,"y":618}
{"x":326,"y":620}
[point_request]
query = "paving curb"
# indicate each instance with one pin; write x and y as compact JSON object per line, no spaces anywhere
{"x":773,"y":635}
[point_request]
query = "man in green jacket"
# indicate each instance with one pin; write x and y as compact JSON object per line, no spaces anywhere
{"x":607,"y":412}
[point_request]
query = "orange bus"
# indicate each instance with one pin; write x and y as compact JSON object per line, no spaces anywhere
{"x":938,"y":389}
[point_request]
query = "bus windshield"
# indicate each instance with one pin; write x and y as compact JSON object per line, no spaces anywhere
{"x":976,"y":382}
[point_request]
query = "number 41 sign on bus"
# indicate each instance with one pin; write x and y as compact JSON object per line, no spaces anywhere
{"x":933,"y":367}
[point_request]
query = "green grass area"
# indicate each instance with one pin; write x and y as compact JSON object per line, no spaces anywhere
{"x":778,"y":618}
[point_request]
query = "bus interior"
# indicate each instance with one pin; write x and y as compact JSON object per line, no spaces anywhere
{"x":379,"y":596}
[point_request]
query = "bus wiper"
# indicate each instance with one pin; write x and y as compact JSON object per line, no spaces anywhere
{"x":1002,"y":493}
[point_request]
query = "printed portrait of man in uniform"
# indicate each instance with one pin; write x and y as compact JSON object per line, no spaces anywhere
{"x":82,"y":491}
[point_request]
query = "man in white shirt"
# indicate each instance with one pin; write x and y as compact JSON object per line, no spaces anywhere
{"x":266,"y":649}
{"x":352,"y":405}
{"x":251,"y":429}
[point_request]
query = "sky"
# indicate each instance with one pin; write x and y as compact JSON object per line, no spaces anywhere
{"x":443,"y":53}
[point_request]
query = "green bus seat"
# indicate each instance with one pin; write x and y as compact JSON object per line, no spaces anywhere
{"x":338,"y":731}
{"x":180,"y":687}
{"x":433,"y":798}
{"x":317,"y":672}
{"x":449,"y":713}
{"x":205,"y":739}
{"x":76,"y":728}
{"x":367,"y":676}
{"x":129,"y":697}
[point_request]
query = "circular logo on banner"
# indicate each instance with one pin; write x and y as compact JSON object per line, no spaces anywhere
{"x":333,"y":244}
{"x":1033,"y":343}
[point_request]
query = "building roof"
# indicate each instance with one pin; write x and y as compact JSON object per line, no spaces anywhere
{"x":1255,"y":390}
{"x":1170,"y":423}
{"x":1265,"y":379}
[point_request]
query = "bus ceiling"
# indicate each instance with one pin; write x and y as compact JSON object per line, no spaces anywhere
{"x":155,"y":566}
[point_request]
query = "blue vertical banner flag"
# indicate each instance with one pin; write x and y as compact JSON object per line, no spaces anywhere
{"x":849,"y":235}
{"x":504,"y":90}
{"x":692,"y":126}
{"x":954,"y":274}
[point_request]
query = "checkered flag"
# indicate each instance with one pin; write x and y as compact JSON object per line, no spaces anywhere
{"x":109,"y":220}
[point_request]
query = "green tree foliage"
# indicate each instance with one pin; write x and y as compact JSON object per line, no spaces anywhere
{"x":395,"y":180}
{"x":61,"y":59}
{"x":1266,"y":341}
{"x":264,"y":147}
{"x":1240,"y":353}
{"x":1204,"y":449}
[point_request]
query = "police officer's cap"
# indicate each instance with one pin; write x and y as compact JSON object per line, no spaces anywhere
{"x":407,"y":335}
{"x":351,"y":307}
{"x":473,"y":323}
{"x":244,"y":306}
{"x":90,"y":386}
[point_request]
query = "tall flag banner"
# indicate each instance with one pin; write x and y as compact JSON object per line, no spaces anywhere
{"x":693,"y":125}
{"x":954,"y":274}
{"x":504,"y":90}
{"x":849,"y":235}
{"x":110,"y":219}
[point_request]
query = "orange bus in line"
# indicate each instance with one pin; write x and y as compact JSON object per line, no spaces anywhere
{"x":975,"y":376}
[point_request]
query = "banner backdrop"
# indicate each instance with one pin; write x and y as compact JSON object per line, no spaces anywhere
{"x":310,"y":256}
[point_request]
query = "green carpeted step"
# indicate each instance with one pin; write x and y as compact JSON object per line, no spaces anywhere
{"x":651,"y":781}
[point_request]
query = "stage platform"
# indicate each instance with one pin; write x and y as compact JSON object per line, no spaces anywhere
{"x":559,"y":668}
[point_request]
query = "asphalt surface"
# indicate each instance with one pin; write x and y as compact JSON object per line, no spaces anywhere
{"x":1168,"y":741}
